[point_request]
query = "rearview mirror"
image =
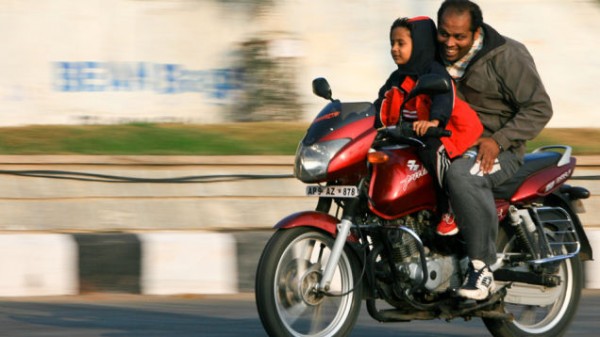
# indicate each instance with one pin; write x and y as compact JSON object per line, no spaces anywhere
{"x":321,"y":88}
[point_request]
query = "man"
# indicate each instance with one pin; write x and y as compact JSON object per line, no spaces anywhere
{"x":498,"y":78}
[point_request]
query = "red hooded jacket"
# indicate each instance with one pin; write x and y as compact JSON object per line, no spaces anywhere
{"x":464,"y":122}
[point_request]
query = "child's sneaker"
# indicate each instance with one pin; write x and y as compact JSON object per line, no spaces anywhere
{"x":447,"y":225}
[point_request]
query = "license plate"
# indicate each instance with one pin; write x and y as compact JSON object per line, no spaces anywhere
{"x":341,"y":191}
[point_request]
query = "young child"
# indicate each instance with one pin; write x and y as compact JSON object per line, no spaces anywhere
{"x":413,"y":48}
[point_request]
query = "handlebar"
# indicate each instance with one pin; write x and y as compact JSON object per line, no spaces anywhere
{"x":405,"y":131}
{"x":438,"y":132}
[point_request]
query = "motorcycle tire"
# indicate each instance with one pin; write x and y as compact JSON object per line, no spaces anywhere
{"x":548,"y":314}
{"x":290,"y":267}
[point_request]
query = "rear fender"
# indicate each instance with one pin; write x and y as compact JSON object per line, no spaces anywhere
{"x":323,"y":221}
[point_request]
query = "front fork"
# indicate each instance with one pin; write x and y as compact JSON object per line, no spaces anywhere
{"x":343,"y":231}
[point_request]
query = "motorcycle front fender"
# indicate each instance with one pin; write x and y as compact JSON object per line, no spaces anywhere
{"x":320,"y":220}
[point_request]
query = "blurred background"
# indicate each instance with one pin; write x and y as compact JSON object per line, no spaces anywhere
{"x":216,"y":61}
{"x":134,"y":65}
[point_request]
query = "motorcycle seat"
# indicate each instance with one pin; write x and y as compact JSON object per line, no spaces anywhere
{"x":533,"y":162}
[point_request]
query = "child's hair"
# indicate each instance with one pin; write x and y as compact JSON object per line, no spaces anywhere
{"x":400,"y":22}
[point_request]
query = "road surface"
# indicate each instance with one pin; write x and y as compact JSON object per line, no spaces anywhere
{"x":117,"y":315}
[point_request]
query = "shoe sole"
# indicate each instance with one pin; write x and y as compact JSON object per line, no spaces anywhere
{"x":474,"y":298}
{"x":491,"y":291}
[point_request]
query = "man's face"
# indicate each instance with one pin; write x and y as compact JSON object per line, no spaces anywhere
{"x":455,"y":36}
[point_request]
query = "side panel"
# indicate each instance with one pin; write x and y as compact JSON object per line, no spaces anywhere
{"x":401,"y":186}
{"x":502,"y":209}
{"x":543,"y":182}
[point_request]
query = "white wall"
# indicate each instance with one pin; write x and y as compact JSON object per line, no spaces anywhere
{"x":63,"y":59}
{"x":111,"y":61}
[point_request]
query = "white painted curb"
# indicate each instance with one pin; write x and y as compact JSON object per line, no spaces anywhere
{"x":171,"y":263}
{"x":38,"y":265}
{"x":592,"y":268}
{"x":188,"y":262}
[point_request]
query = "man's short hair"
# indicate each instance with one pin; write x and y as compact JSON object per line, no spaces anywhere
{"x":462,"y":6}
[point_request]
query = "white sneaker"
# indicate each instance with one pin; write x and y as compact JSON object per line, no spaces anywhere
{"x":479,"y":282}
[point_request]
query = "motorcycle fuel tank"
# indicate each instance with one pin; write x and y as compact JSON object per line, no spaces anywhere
{"x":401,"y":185}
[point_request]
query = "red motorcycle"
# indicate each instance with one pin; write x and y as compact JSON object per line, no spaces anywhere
{"x":378,"y":243}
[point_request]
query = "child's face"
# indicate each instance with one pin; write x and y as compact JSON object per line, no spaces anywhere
{"x":401,"y":45}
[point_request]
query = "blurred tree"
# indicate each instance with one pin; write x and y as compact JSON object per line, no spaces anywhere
{"x":269,"y":63}
{"x":255,"y":6}
{"x":269,"y":83}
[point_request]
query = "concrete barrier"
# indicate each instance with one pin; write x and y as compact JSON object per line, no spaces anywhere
{"x":66,"y":236}
{"x":160,"y":263}
{"x":188,"y":262}
{"x":592,"y":268}
{"x":38,"y":265}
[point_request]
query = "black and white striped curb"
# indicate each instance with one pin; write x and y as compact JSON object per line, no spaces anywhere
{"x":151,"y":263}
{"x":156,"y":263}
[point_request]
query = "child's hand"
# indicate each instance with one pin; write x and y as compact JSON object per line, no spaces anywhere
{"x":420,"y":127}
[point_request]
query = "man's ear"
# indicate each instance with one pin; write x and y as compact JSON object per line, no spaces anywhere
{"x":476,"y":34}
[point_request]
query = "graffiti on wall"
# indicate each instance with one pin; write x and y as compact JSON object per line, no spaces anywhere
{"x":91,"y":76}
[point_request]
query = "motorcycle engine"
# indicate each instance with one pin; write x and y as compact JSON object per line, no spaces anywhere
{"x":406,"y":238}
{"x":442,"y":272}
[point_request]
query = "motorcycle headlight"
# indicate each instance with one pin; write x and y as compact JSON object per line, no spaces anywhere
{"x":312,"y":161}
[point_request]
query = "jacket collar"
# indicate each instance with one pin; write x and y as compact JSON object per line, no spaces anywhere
{"x":492,"y":40}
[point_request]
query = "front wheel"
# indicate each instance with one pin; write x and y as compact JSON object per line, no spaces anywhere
{"x":288,"y":272}
{"x":538,"y":311}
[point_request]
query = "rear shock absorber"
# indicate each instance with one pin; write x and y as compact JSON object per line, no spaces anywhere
{"x":523,"y":228}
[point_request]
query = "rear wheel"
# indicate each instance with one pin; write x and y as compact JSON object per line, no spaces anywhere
{"x":538,"y":310}
{"x":289,"y":270}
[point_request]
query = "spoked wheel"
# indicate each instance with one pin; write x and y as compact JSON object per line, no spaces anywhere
{"x":539,"y":310}
{"x":289,"y":270}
